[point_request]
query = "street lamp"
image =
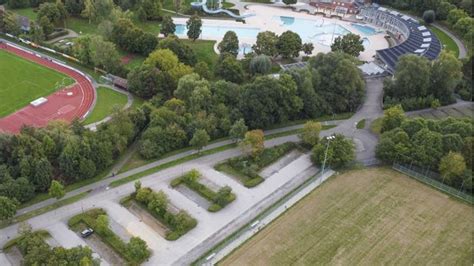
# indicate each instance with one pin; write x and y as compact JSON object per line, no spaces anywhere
{"x":326,"y":153}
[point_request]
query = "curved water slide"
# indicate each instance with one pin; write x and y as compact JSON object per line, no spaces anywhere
{"x":203,"y":4}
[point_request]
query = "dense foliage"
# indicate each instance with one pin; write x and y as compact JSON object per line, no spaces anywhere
{"x":435,"y":144}
{"x":30,"y":160}
{"x":157,"y":203}
{"x":335,"y":153}
{"x":417,"y":82}
{"x":36,"y":251}
{"x":219,"y":199}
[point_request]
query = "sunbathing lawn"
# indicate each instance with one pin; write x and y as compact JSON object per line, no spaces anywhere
{"x":374,"y":216}
{"x":445,"y":40}
{"x":106,"y":100}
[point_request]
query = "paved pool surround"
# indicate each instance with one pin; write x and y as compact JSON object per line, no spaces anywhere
{"x":319,"y":30}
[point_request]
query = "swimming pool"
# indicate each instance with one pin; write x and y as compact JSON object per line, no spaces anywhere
{"x":321,"y":31}
{"x":367,"y":30}
{"x":219,"y":31}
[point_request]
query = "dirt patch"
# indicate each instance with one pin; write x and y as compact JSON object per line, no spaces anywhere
{"x":148,"y":219}
{"x":367,"y":217}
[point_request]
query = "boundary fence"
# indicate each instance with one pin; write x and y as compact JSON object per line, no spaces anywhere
{"x":427,"y":178}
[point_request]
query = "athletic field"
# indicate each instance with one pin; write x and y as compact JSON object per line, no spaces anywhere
{"x":366,"y":217}
{"x":22,"y":81}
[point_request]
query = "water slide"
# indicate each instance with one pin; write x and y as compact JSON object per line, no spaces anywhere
{"x":203,"y":4}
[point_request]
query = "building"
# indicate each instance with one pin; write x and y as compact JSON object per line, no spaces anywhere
{"x":338,"y":6}
{"x":411,"y":37}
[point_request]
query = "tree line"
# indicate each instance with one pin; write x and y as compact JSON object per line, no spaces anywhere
{"x":419,"y":83}
{"x":444,"y":146}
{"x":32,"y":159}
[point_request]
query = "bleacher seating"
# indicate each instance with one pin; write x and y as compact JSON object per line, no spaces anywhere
{"x":417,"y":39}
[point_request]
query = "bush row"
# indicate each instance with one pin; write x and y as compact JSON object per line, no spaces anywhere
{"x":219,"y":199}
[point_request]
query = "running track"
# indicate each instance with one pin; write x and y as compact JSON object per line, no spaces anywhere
{"x":60,"y":105}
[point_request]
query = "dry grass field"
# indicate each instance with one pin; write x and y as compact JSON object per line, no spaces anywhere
{"x":366,"y":217}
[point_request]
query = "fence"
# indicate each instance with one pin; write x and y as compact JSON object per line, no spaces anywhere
{"x":429,"y":178}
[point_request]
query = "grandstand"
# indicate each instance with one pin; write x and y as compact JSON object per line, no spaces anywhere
{"x":412,"y":38}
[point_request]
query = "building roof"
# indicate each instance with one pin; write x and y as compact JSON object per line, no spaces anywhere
{"x":420,"y":41}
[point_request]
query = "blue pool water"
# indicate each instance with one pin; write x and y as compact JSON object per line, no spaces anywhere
{"x":367,"y":30}
{"x":287,"y":20}
{"x":219,"y":31}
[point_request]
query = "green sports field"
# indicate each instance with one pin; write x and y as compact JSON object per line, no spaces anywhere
{"x":22,"y":81}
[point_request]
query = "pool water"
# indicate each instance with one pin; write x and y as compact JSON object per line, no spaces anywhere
{"x":367,"y":30}
{"x":219,"y":31}
{"x":320,"y":31}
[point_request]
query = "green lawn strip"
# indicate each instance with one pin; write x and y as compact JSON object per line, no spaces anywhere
{"x":227,"y":5}
{"x":106,"y":100}
{"x":58,"y":204}
{"x":178,"y":223}
{"x":24,"y":81}
{"x":376,"y":126}
{"x":361,"y":124}
{"x":191,"y":180}
{"x":26,"y":12}
{"x":204,"y":51}
{"x":107,"y":236}
{"x":155,"y":169}
{"x":247,"y":168}
{"x":169,"y":4}
{"x":12,"y":242}
{"x":447,"y":42}
{"x":341,"y":116}
{"x":81,"y":26}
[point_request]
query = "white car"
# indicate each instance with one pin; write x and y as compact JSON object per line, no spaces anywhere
{"x":87,"y":232}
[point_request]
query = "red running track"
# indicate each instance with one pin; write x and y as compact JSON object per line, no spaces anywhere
{"x":60,"y":105}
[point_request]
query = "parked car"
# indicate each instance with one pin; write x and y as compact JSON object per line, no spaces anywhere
{"x":87,"y":232}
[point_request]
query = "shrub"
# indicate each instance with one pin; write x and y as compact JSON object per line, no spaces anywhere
{"x":429,"y":16}
{"x":253,"y":182}
{"x":260,"y":64}
{"x":214,"y":208}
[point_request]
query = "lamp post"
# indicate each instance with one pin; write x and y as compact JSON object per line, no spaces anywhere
{"x":326,"y":153}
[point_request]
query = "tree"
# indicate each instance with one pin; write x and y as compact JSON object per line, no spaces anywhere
{"x":56,"y":190}
{"x":144,"y":81}
{"x":310,"y":133}
{"x":89,"y":10}
{"x":229,"y":44}
{"x":266,"y":44}
{"x":104,"y":54}
{"x":194,"y":25}
{"x":290,"y":2}
{"x":152,"y":9}
{"x":253,"y":143}
{"x":289,"y":44}
{"x":443,"y":10}
{"x":308,"y":48}
{"x":429,"y":16}
{"x":392,"y":118}
{"x":138,"y":249}
{"x":202,"y":69}
{"x":177,"y":5}
{"x":452,"y":166}
{"x":260,"y":64}
{"x":340,"y":152}
{"x":184,"y":53}
{"x":446,"y":72}
{"x":230,"y":69}
{"x":411,"y":79}
{"x":167,"y":26}
{"x":200,"y":139}
{"x":51,"y":11}
{"x":102,"y":224}
{"x":7,"y":208}
{"x":238,"y":130}
{"x":46,"y":25}
{"x":350,"y":44}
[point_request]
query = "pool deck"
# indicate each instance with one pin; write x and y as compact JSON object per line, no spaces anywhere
{"x":264,"y":20}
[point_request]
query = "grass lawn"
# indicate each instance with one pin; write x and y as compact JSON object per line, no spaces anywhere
{"x":445,"y":40}
{"x":204,"y":51}
{"x":106,"y":100}
{"x":22,"y":81}
{"x":26,"y":12}
{"x":372,"y":216}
